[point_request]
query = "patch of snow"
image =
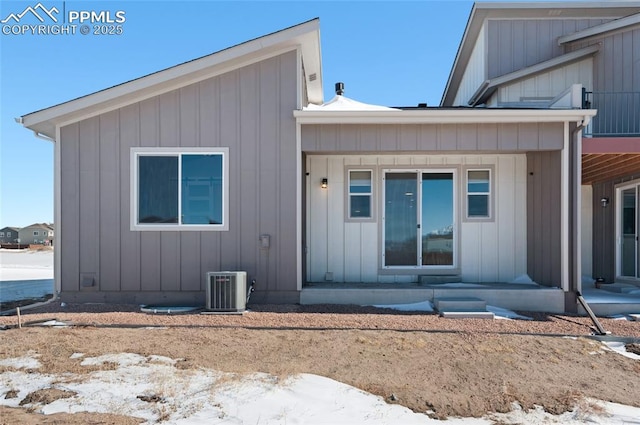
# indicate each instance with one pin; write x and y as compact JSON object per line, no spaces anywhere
{"x":619,"y":348}
{"x":503,"y":313}
{"x":419,"y":306}
{"x":188,"y":397}
{"x":76,"y":356}
{"x":523,"y":279}
{"x":24,"y":362}
{"x":343,"y":103}
{"x":125,"y":359}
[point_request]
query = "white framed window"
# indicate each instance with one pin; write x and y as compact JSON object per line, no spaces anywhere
{"x":180,"y":189}
{"x":8,"y":234}
{"x":479,"y":188}
{"x":35,"y":233}
{"x":359,"y":194}
{"x":2,"y":234}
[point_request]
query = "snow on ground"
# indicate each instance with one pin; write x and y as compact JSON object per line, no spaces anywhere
{"x":154,"y":389}
{"x":25,"y":264}
{"x":427,"y":306}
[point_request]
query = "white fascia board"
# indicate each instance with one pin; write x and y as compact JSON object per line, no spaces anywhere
{"x":259,"y":49}
{"x":444,"y":116}
{"x":601,"y":29}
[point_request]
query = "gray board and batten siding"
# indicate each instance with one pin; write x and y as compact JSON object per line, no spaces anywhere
{"x":519,"y":43}
{"x":248,"y":110}
{"x":441,"y":138}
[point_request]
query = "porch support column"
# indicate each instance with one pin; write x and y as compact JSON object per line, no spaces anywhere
{"x":565,"y":194}
{"x":574,"y":132}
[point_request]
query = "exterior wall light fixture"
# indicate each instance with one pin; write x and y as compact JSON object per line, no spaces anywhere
{"x":324,"y":183}
{"x":604,"y":202}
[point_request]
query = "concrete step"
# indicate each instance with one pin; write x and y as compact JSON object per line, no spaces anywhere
{"x":460,"y":304}
{"x":467,"y":314}
{"x":619,"y":288}
{"x":437,"y":279}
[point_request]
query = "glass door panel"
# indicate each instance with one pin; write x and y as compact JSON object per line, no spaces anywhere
{"x":400,"y":224}
{"x":437,"y":219}
{"x":628,"y":222}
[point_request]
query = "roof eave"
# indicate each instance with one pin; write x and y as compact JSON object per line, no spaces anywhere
{"x":304,"y":36}
{"x":444,"y":116}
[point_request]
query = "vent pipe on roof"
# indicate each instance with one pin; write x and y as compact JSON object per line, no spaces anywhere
{"x":339,"y":89}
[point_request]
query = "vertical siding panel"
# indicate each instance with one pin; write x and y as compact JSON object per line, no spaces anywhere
{"x":149,"y":241}
{"x":69,"y":246}
{"x":109,"y":193}
{"x":318,"y":219}
{"x":388,"y":137}
{"x":521,"y":216}
{"x":129,"y":119}
{"x":487,"y":137}
{"x":248,"y":151}
{"x":370,"y":248}
{"x":505,"y":204}
{"x":335,"y":219}
{"x":543,"y":229}
{"x":229,"y":136}
{"x":288,"y":203}
{"x":428,"y":137}
{"x":169,"y":124}
{"x":408,"y":137}
{"x":348,"y":137}
{"x":353,"y":251}
{"x":448,"y":135}
{"x":467,"y":137}
{"x":528,"y":136}
{"x":189,"y":242}
{"x":209,"y":135}
{"x":268,"y":149}
{"x":368,"y":137}
{"x":470,"y":251}
{"x":89,"y":193}
{"x":508,"y":137}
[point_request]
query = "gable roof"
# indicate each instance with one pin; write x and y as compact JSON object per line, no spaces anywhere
{"x":481,"y":12}
{"x":305,"y":36}
{"x":38,"y":226}
{"x":10,"y":228}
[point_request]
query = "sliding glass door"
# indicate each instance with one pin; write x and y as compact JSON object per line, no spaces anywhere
{"x":419,"y":218}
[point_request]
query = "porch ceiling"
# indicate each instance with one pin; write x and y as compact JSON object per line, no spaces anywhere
{"x":600,"y":167}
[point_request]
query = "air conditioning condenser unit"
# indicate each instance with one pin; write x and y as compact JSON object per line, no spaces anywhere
{"x":226,"y":292}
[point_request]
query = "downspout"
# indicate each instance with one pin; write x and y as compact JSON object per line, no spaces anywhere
{"x":575,"y":219}
{"x":56,"y":220}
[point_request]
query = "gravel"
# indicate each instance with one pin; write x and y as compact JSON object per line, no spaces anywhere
{"x":270,"y":316}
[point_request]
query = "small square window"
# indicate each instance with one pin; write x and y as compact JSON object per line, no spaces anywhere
{"x":478,"y":193}
{"x":360,"y":193}
{"x":2,"y":234}
{"x":35,"y":233}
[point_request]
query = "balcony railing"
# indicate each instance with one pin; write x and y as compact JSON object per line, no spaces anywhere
{"x":618,"y":113}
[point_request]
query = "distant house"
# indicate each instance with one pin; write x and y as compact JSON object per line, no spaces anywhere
{"x":9,"y":234}
{"x":37,"y":234}
{"x":234,"y":161}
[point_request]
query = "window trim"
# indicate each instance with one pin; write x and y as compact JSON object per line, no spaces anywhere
{"x":136,"y":152}
{"x":492,"y":190}
{"x":347,"y":197}
{"x":2,"y":235}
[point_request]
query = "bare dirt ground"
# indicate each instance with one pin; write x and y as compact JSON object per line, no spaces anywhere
{"x":450,"y":367}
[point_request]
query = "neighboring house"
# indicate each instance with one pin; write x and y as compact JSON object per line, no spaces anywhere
{"x":37,"y":234}
{"x":358,"y":202}
{"x":9,"y":234}
{"x":528,"y":55}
